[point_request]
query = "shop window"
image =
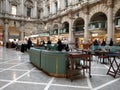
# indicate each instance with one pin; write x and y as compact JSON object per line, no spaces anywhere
{"x":14,"y":9}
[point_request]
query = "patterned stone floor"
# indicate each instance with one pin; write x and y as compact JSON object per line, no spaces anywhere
{"x":17,"y":73}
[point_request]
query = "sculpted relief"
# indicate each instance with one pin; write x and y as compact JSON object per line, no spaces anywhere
{"x":29,"y":3}
{"x":16,"y":2}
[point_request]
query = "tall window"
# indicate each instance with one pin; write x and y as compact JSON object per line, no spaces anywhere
{"x":39,"y":12}
{"x":66,"y":3}
{"x":14,"y":9}
{"x":56,"y":6}
{"x":29,"y":12}
{"x":48,"y":10}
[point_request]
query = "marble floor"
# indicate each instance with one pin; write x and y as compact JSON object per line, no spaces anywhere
{"x":17,"y":73}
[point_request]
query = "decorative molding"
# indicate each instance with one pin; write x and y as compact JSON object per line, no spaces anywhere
{"x":15,"y":2}
{"x":29,"y":4}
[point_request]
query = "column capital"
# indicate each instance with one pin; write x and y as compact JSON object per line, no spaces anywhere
{"x":6,"y":21}
{"x":22,"y":23}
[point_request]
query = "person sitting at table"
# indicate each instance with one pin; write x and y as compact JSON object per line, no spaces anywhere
{"x":103,"y":43}
{"x":96,"y":45}
{"x":111,"y":42}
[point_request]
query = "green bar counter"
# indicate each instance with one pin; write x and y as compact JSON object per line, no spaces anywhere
{"x":35,"y":57}
{"x":52,"y":63}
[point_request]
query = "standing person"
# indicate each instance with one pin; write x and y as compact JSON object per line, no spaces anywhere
{"x":111,"y":42}
{"x":22,"y":46}
{"x":42,"y":42}
{"x":60,"y":45}
{"x":49,"y":44}
{"x":29,"y":43}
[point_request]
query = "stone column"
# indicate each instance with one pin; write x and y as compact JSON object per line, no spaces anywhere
{"x":51,"y":7}
{"x":35,"y":10}
{"x":86,"y":31}
{"x":22,"y":7}
{"x":110,"y":32}
{"x":59,"y":4}
{"x":45,"y":10}
{"x":7,"y":6}
{"x":6,"y":32}
{"x":1,"y":6}
{"x":59,"y":28}
{"x":22,"y":31}
{"x":4,"y":6}
{"x":71,"y":34}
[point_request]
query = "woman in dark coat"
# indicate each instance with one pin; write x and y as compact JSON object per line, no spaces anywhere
{"x":60,"y":45}
{"x":103,"y":43}
{"x":29,"y":43}
{"x":111,"y":42}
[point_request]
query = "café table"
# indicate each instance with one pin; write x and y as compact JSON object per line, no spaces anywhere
{"x":114,"y":68}
{"x":73,"y":64}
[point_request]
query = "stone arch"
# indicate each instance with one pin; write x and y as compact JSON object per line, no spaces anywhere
{"x":82,"y":15}
{"x":55,"y":26}
{"x":65,"y":25}
{"x":77,"y":19}
{"x":65,"y":19}
{"x":98,"y":8}
{"x":78,"y":24}
{"x":116,"y":8}
{"x":117,"y":13}
{"x":98,"y":14}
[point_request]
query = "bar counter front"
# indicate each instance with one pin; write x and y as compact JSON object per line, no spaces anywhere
{"x":51,"y":62}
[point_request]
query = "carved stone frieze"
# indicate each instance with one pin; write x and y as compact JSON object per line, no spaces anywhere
{"x":15,"y":2}
{"x":29,"y":3}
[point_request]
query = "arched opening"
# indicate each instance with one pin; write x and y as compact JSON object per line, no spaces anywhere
{"x":98,"y":26}
{"x":117,"y":18}
{"x":117,"y":26}
{"x":64,"y":32}
{"x":65,"y":28}
{"x":54,"y":33}
{"x":78,"y":27}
